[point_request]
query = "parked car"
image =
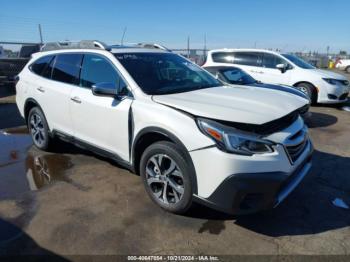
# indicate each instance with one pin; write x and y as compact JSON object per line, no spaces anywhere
{"x":235,"y":76}
{"x":165,"y":118}
{"x":2,"y":52}
{"x":343,"y":64}
{"x":11,"y":66}
{"x":270,"y":67}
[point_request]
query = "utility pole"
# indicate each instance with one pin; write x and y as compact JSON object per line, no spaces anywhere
{"x":205,"y":44}
{"x":40,"y":34}
{"x":122,"y":40}
{"x":188,"y":47}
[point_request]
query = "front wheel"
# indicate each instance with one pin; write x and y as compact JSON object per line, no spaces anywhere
{"x":166,"y":177}
{"x":347,"y":70}
{"x":308,"y":90}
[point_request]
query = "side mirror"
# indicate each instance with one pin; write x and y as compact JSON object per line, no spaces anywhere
{"x":282,"y":67}
{"x":104,"y":89}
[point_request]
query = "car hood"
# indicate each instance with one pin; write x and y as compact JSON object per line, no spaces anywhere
{"x":282,"y":88}
{"x":328,"y":74}
{"x":241,"y":104}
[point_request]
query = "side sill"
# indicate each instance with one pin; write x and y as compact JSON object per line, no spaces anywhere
{"x":95,"y":149}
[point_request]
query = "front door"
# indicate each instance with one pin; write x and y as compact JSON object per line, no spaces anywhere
{"x":270,"y":74}
{"x":101,"y":121}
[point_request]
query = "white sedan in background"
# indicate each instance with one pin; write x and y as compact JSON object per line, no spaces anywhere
{"x":343,"y":64}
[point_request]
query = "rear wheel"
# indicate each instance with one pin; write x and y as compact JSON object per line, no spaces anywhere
{"x":347,"y":69}
{"x":308,"y":90}
{"x":39,"y":128}
{"x":166,"y":177}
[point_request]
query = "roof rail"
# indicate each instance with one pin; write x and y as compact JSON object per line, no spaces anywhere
{"x":153,"y":45}
{"x":84,"y":44}
{"x":142,"y":45}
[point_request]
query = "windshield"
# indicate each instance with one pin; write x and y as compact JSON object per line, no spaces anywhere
{"x":165,"y":73}
{"x":298,"y":61}
{"x":237,"y":76}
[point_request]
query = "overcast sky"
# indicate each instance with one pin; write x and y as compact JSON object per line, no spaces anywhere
{"x":288,"y":25}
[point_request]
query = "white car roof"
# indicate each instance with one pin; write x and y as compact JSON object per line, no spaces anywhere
{"x":100,"y":51}
{"x":242,"y":50}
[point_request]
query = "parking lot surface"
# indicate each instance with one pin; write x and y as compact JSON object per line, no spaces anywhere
{"x":72,"y":202}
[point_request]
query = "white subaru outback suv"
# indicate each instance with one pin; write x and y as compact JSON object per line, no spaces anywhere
{"x":238,"y":149}
{"x":270,"y":67}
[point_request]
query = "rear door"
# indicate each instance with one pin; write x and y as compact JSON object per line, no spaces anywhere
{"x":55,"y":77}
{"x":101,"y":121}
{"x":65,"y":77}
{"x":249,"y":62}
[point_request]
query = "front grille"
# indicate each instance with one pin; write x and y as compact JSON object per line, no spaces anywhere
{"x":294,"y":151}
{"x":343,"y":96}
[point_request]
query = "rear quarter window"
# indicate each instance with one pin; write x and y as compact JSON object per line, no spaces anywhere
{"x":39,"y":66}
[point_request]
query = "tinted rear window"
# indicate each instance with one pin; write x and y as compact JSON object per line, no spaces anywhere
{"x":239,"y":58}
{"x":67,"y":68}
{"x":40,"y":65}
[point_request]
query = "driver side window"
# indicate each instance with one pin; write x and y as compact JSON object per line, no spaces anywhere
{"x":271,"y":61}
{"x":96,"y":70}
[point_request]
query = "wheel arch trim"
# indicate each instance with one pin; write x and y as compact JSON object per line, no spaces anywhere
{"x":171,"y":137}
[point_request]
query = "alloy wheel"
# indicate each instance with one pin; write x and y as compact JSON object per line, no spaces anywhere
{"x":165,"y":179}
{"x":37,"y":129}
{"x":304,"y":90}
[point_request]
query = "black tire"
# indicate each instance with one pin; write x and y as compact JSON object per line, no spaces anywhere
{"x":44,"y":143}
{"x":309,"y":90}
{"x":347,"y":69}
{"x":170,"y":152}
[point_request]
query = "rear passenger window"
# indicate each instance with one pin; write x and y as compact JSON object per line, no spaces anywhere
{"x":40,"y":65}
{"x":249,"y":59}
{"x":67,"y":68}
{"x":97,"y":69}
{"x":239,"y":58}
{"x":47,"y":73}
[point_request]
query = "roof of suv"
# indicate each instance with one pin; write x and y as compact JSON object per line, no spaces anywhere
{"x":242,"y":50}
{"x":137,"y":50}
{"x":98,"y":50}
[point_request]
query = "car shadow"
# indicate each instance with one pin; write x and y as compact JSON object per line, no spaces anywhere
{"x":308,"y":210}
{"x":320,"y":120}
{"x":10,"y":116}
{"x":16,"y":244}
{"x":6,"y":90}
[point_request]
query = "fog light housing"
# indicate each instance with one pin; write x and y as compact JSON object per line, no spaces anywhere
{"x":330,"y":96}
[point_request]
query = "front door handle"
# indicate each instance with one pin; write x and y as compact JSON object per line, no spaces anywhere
{"x":41,"y":89}
{"x":257,"y":72}
{"x":76,"y":99}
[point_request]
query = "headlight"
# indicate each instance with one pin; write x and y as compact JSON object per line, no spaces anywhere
{"x":231,"y":140}
{"x":331,"y":81}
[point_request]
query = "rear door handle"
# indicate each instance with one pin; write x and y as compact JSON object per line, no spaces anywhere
{"x":76,"y":99}
{"x":41,"y":89}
